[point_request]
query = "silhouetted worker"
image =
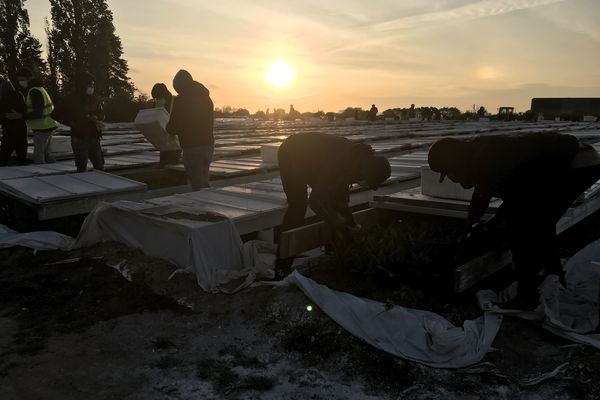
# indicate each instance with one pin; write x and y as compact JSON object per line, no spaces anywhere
{"x":14,"y":128}
{"x":192,"y":119}
{"x":329,"y":165}
{"x":373,"y":113}
{"x":538,"y":176}
{"x":163,"y":98}
{"x":38,"y":115}
{"x":83,"y":112}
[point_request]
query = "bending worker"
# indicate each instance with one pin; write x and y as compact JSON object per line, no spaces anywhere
{"x":538,"y":176}
{"x":329,"y":165}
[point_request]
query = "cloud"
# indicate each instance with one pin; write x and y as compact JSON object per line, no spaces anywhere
{"x":480,"y":9}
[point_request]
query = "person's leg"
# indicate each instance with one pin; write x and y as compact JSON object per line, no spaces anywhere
{"x":80,"y":152}
{"x":48,"y":148}
{"x":39,"y":147}
{"x":206,"y":156}
{"x":95,"y":153}
{"x":296,"y":191}
{"x":194,"y":163}
{"x":21,"y":146}
{"x":170,"y":158}
{"x":6,"y":147}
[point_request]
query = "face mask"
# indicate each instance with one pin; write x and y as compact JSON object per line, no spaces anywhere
{"x":23,"y":84}
{"x":89,"y":91}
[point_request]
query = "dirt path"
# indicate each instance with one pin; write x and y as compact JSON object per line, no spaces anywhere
{"x":79,"y":330}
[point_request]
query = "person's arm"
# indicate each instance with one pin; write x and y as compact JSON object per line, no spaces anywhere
{"x":329,"y":200}
{"x":478,"y":206}
{"x":37,"y":105}
{"x":172,"y":125}
{"x":100,"y":112}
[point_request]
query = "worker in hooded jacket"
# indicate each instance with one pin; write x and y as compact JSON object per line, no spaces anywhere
{"x":192,"y":120}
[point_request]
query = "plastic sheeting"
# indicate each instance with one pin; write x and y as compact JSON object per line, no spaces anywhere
{"x":571,"y":312}
{"x":416,"y":335}
{"x":211,"y":249}
{"x":42,"y":240}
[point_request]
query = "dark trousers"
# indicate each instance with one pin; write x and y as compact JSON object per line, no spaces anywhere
{"x":531,"y":221}
{"x":172,"y":157}
{"x":85,"y":149}
{"x":14,"y":139}
{"x":337,"y":217}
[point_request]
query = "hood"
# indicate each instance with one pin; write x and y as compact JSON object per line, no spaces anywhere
{"x":184,"y":82}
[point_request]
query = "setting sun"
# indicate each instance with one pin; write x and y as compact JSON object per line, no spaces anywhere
{"x":279,"y":74}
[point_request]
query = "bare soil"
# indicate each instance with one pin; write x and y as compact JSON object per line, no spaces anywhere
{"x":111,"y":323}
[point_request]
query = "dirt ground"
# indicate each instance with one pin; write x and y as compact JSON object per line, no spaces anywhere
{"x":111,"y":323}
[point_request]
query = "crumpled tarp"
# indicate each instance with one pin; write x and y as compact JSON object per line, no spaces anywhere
{"x":212,"y":250}
{"x":41,"y":240}
{"x":415,"y":335}
{"x":571,"y":312}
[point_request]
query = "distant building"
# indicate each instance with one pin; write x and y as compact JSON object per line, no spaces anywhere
{"x":569,"y":108}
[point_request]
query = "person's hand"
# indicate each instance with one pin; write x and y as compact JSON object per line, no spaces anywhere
{"x":13,"y":115}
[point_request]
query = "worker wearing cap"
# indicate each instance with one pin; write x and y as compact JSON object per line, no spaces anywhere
{"x":329,"y":165}
{"x":164,"y":98}
{"x":538,"y":176}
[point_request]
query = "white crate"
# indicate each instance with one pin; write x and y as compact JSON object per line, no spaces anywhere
{"x":431,"y":186}
{"x":152,"y":123}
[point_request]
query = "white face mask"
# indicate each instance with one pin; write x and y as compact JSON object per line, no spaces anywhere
{"x":89,"y":91}
{"x":23,"y":84}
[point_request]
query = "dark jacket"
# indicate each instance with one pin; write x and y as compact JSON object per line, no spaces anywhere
{"x":78,"y":111}
{"x":508,"y":167}
{"x":326,"y":163}
{"x":12,"y":101}
{"x":192,"y":117}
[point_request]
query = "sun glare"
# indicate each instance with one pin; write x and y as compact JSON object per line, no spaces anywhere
{"x":279,"y":74}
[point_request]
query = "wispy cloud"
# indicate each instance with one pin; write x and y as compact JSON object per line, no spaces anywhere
{"x":480,"y":9}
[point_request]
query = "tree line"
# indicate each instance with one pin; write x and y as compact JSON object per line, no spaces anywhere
{"x":81,"y":36}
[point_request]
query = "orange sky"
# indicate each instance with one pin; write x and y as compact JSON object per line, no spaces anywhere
{"x":355,"y":53}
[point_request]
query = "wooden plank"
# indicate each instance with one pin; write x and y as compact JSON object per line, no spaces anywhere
{"x":480,"y":268}
{"x":304,"y":238}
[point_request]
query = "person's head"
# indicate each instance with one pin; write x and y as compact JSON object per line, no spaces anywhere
{"x":182,"y":80}
{"x":85,"y":83}
{"x":450,"y":157}
{"x":160,"y":91}
{"x":24,"y":76}
{"x":374,"y":170}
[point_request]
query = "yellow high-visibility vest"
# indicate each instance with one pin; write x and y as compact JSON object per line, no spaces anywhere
{"x":46,"y":122}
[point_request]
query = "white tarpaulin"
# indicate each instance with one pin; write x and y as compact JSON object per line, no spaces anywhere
{"x":206,"y":244}
{"x":571,"y":312}
{"x":415,"y":335}
{"x":42,"y":240}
